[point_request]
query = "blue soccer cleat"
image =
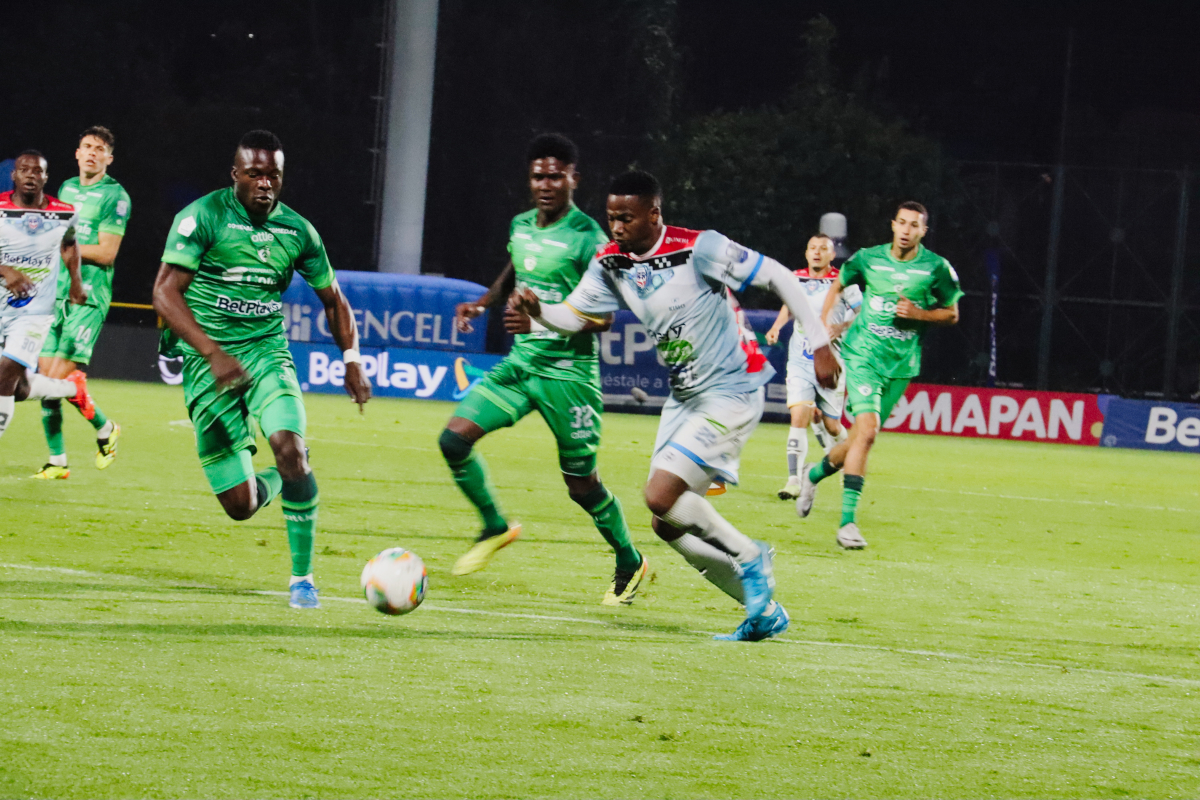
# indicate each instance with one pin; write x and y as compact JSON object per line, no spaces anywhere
{"x":303,"y":595}
{"x":755,"y":629}
{"x":758,"y":581}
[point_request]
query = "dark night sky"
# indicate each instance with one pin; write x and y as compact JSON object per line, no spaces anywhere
{"x":179,"y":81}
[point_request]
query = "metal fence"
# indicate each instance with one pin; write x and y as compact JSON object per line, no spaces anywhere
{"x":1086,"y":275}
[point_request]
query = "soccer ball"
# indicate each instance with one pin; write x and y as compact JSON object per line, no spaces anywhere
{"x":394,"y":581}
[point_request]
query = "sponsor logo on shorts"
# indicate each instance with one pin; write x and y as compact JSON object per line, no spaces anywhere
{"x":248,"y":308}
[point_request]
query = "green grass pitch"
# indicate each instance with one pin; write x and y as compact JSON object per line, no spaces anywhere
{"x":1023,"y":624}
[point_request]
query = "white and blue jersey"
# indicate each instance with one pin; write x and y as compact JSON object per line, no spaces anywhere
{"x":30,"y":240}
{"x":677,"y":290}
{"x":816,"y":289}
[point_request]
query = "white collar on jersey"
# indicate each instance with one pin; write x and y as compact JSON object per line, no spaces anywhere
{"x":650,"y":253}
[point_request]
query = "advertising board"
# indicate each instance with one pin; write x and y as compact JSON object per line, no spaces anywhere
{"x":1151,"y":425}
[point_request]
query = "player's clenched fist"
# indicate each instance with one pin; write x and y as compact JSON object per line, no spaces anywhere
{"x":464,"y":313}
{"x":357,"y":385}
{"x":524,"y":301}
{"x":227,"y":371}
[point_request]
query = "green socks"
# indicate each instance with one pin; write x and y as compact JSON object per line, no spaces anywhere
{"x":98,"y":420}
{"x":852,"y":486}
{"x":300,"y":502}
{"x":609,"y":518}
{"x":52,"y":422}
{"x":470,"y":473}
{"x":821,"y":470}
{"x":269,"y":486}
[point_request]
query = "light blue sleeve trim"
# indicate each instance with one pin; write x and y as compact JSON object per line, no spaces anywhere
{"x":757,"y":266}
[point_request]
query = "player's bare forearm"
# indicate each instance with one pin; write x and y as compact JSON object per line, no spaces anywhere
{"x":345,"y":332}
{"x":17,"y":282}
{"x":907,"y":309}
{"x":169,"y":287}
{"x":104,"y":253}
{"x":781,"y":319}
{"x":598,"y":325}
{"x":69,"y":251}
{"x":831,"y":298}
{"x":465,"y":312}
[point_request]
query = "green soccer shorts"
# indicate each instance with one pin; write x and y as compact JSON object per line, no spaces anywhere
{"x":226,"y":422}
{"x":571,"y":409}
{"x":74,"y":333}
{"x":869,"y":391}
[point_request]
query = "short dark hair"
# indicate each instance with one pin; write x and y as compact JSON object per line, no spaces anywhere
{"x":31,"y":152}
{"x":260,"y":140}
{"x":913,"y":205}
{"x":553,"y":145}
{"x":638,"y":183}
{"x":821,"y":235}
{"x":102,"y":133}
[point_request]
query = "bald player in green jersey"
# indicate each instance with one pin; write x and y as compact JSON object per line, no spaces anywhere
{"x":906,"y":289}
{"x":103,"y":207}
{"x":228,"y":259}
{"x":550,"y":247}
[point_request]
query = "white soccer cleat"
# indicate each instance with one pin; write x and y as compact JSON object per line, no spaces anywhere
{"x":808,"y":493}
{"x":791,"y":489}
{"x":848,"y":538}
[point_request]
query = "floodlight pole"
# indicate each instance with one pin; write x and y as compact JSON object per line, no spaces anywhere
{"x":1050,"y":294}
{"x":413,"y":51}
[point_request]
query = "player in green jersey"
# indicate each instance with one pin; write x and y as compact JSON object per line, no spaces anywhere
{"x":103,"y":208}
{"x":549,"y":249}
{"x":228,"y":259}
{"x":906,"y":288}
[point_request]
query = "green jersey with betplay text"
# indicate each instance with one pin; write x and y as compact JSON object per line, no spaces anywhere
{"x":550,"y":261}
{"x":103,"y":207}
{"x":891,"y":345}
{"x":243,"y":266}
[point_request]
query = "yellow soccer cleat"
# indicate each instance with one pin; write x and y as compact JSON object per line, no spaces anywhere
{"x":481,"y":553}
{"x":625,"y":586}
{"x":107,"y":451}
{"x":52,"y":473}
{"x":715,"y":489}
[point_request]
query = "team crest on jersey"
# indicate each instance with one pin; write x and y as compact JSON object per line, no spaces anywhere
{"x":646,"y":280}
{"x":34,"y":223}
{"x":264,"y":254}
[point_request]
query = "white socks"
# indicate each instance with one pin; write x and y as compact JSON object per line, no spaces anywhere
{"x":715,"y":565}
{"x":59,"y":460}
{"x":105,"y":430}
{"x":297,"y":578}
{"x":797,"y":450}
{"x":7,"y":404}
{"x":827,"y":439}
{"x":43,"y":388}
{"x":693,"y":514}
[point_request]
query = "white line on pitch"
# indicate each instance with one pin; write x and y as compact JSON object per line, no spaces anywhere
{"x":609,"y":624}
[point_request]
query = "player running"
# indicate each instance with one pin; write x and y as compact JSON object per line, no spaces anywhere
{"x":906,"y":289}
{"x":673,"y":279}
{"x":549,"y":249}
{"x":804,"y":394}
{"x":103,"y":209}
{"x":228,"y":258}
{"x":37,"y":237}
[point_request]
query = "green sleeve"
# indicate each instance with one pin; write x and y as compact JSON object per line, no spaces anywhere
{"x":945,"y":287}
{"x":852,"y":273}
{"x":190,"y":236}
{"x":313,"y":264}
{"x":508,"y":246}
{"x":116,"y":213}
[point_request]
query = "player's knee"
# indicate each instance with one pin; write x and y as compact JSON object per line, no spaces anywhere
{"x":658,"y":501}
{"x":290,"y":458}
{"x":21,"y":390}
{"x":237,"y":505}
{"x":587,"y":493}
{"x":455,"y":449}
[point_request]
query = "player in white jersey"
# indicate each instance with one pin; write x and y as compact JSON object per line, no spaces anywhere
{"x":674,"y":279}
{"x":805,"y":396}
{"x":37,"y":236}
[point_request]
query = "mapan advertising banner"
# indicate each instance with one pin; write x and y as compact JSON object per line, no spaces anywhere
{"x":1150,"y":425}
{"x":999,"y":414}
{"x":393,"y":372}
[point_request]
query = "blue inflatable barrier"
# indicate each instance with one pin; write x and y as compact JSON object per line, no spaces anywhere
{"x":410,"y":311}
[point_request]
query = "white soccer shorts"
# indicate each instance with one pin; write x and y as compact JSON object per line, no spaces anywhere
{"x":22,"y":337}
{"x":701,"y":438}
{"x":802,"y":387}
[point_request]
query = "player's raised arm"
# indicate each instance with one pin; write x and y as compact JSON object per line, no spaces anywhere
{"x":345,"y":333}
